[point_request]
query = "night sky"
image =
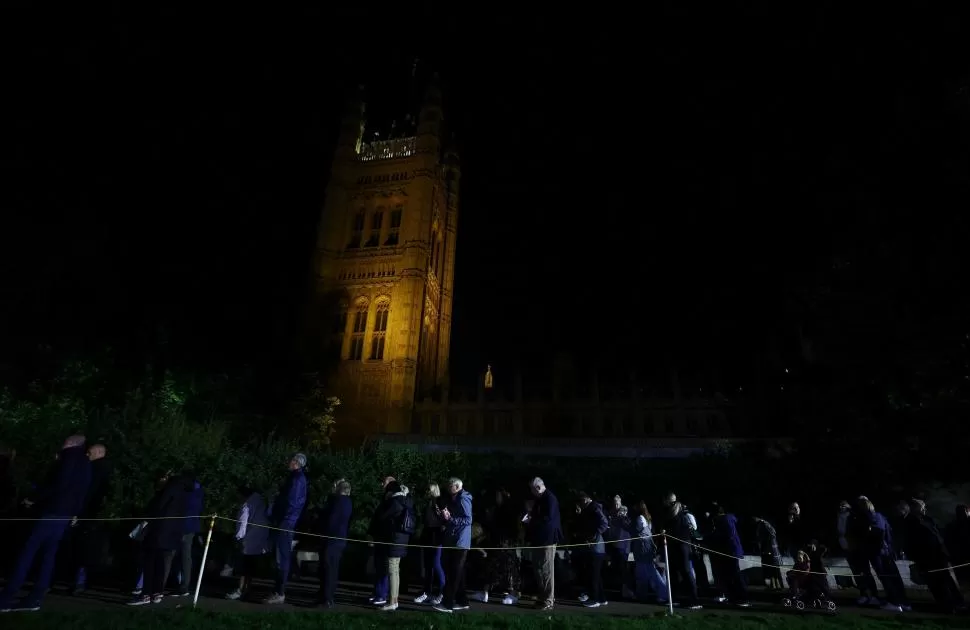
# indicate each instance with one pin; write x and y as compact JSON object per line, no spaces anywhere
{"x":654,"y":188}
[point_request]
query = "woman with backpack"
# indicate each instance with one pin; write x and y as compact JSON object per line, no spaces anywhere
{"x":391,"y":527}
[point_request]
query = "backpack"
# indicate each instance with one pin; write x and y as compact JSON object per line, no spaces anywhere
{"x":409,"y":522}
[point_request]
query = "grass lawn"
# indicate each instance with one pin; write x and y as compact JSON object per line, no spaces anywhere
{"x":203,"y":620}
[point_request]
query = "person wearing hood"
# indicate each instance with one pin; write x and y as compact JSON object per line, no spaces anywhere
{"x":727,"y":540}
{"x":618,"y":545}
{"x":392,"y":526}
{"x":457,"y":515}
{"x":58,"y":501}
{"x":163,"y":535}
{"x":592,"y":524}
{"x":924,"y":546}
{"x":334,"y":524}
{"x":879,"y":552}
{"x":283,"y":517}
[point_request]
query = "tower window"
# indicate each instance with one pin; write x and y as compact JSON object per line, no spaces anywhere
{"x":394,"y":233}
{"x":377,"y":220}
{"x":380,"y":332}
{"x":357,"y":231}
{"x":357,"y":337}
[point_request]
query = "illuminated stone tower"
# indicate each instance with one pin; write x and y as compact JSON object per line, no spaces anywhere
{"x":386,"y":260}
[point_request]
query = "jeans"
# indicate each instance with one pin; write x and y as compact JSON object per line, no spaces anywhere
{"x":545,"y":569}
{"x":156,"y":563}
{"x":454,"y":561}
{"x":647,"y":576}
{"x":185,"y":573}
{"x":888,"y":574}
{"x":862,"y":574}
{"x":44,"y":540}
{"x":594,"y":577}
{"x":382,"y":579}
{"x":330,"y":572}
{"x":284,"y":556}
{"x":433,"y":570}
{"x":729,"y":571}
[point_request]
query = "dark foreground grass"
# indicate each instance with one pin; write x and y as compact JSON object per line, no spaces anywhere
{"x":204,"y":620}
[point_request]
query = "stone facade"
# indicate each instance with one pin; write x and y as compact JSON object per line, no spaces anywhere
{"x":385,"y":260}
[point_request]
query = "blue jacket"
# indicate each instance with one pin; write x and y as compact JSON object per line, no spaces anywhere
{"x":545,"y":526}
{"x":458,"y":529}
{"x":643,"y":547}
{"x":726,"y":537}
{"x":290,"y":501}
{"x":65,"y":491}
{"x":193,"y":508}
{"x":335,"y":520}
{"x":880,"y":539}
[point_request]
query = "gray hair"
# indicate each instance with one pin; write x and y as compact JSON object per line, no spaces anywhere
{"x":538,"y":483}
{"x":434,"y":490}
{"x":455,"y":481}
{"x":343,"y":487}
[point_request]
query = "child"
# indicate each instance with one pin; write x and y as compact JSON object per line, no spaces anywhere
{"x":799,"y":574}
{"x":252,"y":537}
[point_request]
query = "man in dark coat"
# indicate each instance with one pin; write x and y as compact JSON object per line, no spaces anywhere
{"x":924,"y":546}
{"x":163,"y":535}
{"x":192,"y":525}
{"x":334,"y":523}
{"x":283,"y":516}
{"x":59,"y":501}
{"x":89,"y":536}
{"x":544,"y":529}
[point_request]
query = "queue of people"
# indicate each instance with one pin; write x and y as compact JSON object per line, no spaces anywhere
{"x":472,"y":554}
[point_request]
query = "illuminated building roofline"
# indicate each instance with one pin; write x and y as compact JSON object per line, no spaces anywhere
{"x":395,"y":149}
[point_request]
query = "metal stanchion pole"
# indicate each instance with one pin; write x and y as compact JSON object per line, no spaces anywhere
{"x":205,"y":555}
{"x":670,"y":590}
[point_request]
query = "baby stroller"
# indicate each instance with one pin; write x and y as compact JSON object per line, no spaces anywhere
{"x":809,"y":585}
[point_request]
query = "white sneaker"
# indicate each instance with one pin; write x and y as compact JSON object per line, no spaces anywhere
{"x":420,"y":599}
{"x":379,"y":602}
{"x":510,"y":600}
{"x":480,"y":596}
{"x":721,"y":599}
{"x":436,"y":600}
{"x":583,"y":598}
{"x":389,"y":607}
{"x":892,"y":608}
{"x":907,"y":608}
{"x":441,"y":609}
{"x":274,"y":599}
{"x":236,"y":594}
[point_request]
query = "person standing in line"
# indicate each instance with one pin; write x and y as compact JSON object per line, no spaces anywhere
{"x":283,"y":517}
{"x":193,"y":525}
{"x":457,"y":539}
{"x":544,"y":529}
{"x":59,"y":501}
{"x":252,"y":536}
{"x":89,"y":534}
{"x":379,"y":552}
{"x":392,"y":526}
{"x":592,"y":525}
{"x":430,"y":540}
{"x":334,"y":525}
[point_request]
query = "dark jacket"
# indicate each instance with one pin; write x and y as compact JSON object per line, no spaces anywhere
{"x":255,"y":539}
{"x":618,"y":536}
{"x":165,"y":527}
{"x":956,"y":536}
{"x":433,"y":526}
{"x":924,"y":543}
{"x":101,"y":470}
{"x":193,"y":508}
{"x":725,"y":537}
{"x":290,"y":501}
{"x":385,"y":526}
{"x":335,"y":520}
{"x":592,"y":525}
{"x":879,"y":540}
{"x":65,"y":491}
{"x":545,"y":525}
{"x":767,"y":540}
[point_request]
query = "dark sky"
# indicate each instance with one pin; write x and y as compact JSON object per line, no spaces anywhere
{"x":651,"y":186}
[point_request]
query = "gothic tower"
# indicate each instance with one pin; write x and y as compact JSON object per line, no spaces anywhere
{"x":386,"y":260}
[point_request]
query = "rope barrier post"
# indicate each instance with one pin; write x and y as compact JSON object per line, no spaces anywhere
{"x":670,"y":589}
{"x":205,"y":555}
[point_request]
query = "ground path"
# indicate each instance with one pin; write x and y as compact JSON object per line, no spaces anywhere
{"x":352,"y":597}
